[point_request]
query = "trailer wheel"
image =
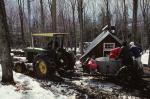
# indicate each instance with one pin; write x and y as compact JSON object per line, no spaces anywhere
{"x":20,"y":67}
{"x":124,"y":76}
{"x":43,"y":67}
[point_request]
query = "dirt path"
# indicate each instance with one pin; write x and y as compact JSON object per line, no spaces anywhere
{"x":94,"y":88}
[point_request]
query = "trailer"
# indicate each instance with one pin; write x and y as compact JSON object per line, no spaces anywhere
{"x":112,"y":68}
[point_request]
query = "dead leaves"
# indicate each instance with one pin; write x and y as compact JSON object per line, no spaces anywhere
{"x":22,"y":87}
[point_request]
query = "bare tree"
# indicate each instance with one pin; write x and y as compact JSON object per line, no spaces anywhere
{"x":73,"y":6}
{"x":124,"y":26}
{"x":134,"y":23}
{"x":108,"y":17}
{"x":93,"y":19}
{"x":29,"y":20}
{"x":29,"y":13}
{"x":5,"y":58}
{"x":103,"y":15}
{"x":52,"y":7}
{"x":21,"y":12}
{"x":42,"y":17}
{"x":80,"y":17}
{"x":66,"y":21}
{"x":36,"y":17}
{"x":145,"y":4}
{"x":118,"y":22}
{"x":62,"y":15}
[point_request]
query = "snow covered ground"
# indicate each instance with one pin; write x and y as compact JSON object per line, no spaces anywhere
{"x":26,"y":88}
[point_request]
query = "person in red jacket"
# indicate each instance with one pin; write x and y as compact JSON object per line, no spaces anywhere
{"x":90,"y":65}
{"x":114,"y":53}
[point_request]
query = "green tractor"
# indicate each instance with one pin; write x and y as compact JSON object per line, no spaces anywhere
{"x":45,"y":62}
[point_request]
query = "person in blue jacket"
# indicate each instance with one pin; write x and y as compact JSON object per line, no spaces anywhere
{"x":136,"y":52}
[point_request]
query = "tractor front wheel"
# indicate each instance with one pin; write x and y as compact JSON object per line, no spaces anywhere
{"x":20,"y":67}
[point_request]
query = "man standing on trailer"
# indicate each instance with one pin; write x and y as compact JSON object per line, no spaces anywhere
{"x":125,"y":55}
{"x":136,"y":52}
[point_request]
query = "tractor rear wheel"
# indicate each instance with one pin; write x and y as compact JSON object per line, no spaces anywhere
{"x":44,"y":67}
{"x":66,"y":60}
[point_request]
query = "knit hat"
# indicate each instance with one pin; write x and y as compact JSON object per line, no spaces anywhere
{"x":132,"y":43}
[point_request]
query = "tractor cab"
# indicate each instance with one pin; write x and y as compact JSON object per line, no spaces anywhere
{"x":53,"y":39}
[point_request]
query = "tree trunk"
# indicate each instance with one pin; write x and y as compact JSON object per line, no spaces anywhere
{"x":108,"y":14}
{"x":53,"y":15}
{"x":125,"y":20}
{"x":42,"y":17}
{"x":108,"y":20}
{"x":21,"y":20}
{"x":94,"y":20}
{"x":134,"y":23}
{"x":29,"y":21}
{"x":5,"y":58}
{"x":74,"y":25}
{"x":80,"y":17}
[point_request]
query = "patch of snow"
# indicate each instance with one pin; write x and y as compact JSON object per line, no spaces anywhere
{"x":12,"y":54}
{"x":36,"y":92}
{"x":109,"y":87}
{"x":127,"y":97}
{"x":20,"y":58}
{"x":145,"y":57}
{"x":78,"y":63}
{"x":78,"y":50}
{"x":30,"y":89}
{"x":0,"y":72}
{"x":8,"y":92}
{"x":20,"y":50}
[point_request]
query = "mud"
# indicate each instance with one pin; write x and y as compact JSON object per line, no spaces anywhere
{"x":95,"y":87}
{"x":85,"y":86}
